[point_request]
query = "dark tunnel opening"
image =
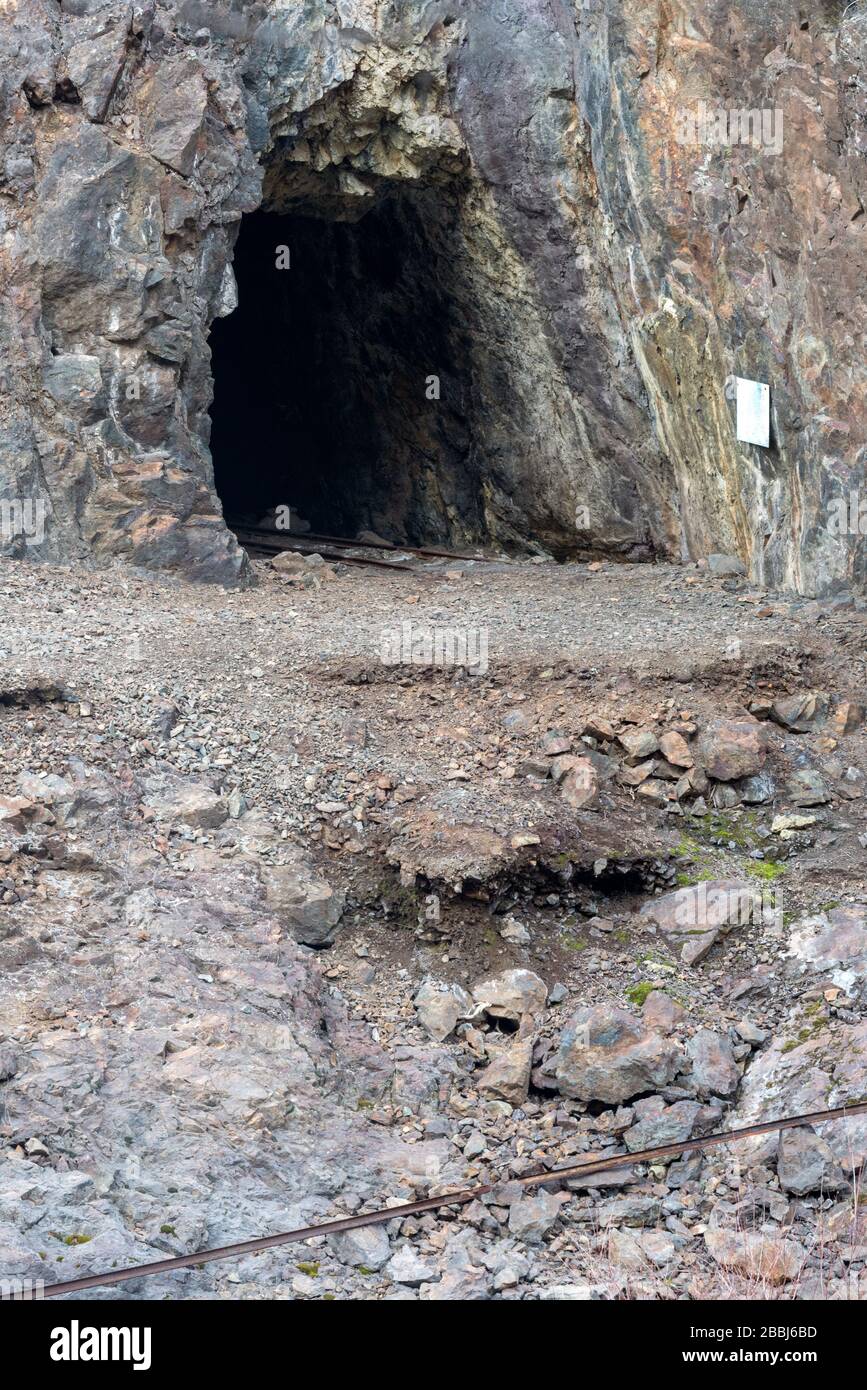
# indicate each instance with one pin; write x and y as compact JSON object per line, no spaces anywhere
{"x":343,"y":380}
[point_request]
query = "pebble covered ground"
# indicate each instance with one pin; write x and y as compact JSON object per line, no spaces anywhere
{"x":293,"y":925}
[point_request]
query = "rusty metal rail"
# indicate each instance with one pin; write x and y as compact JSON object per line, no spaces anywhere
{"x":265,"y":548}
{"x":577,"y":1173}
{"x":382,"y":544}
{"x":264,"y":543}
{"x":310,"y":541}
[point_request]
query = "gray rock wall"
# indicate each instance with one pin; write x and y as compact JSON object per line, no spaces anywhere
{"x":612,"y":277}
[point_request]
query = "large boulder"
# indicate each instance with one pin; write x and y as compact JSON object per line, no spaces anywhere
{"x":606,"y":1054}
{"x":733,"y":748}
{"x":658,"y":1123}
{"x":714,"y":1069}
{"x":508,"y":1075}
{"x":310,"y":906}
{"x":693,"y":918}
{"x":806,"y":1163}
{"x":440,"y":1006}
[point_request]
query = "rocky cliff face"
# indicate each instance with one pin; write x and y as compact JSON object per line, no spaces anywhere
{"x":587,"y":264}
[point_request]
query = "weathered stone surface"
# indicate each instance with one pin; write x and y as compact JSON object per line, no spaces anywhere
{"x":676,"y":749}
{"x":788,"y":827}
{"x":800,"y":713}
{"x":531,"y":1217}
{"x":580,"y":786}
{"x":806,"y":1163}
{"x":197,"y":1016}
{"x":515,"y":932}
{"x":755,"y":791}
{"x":792,"y":1077}
{"x":629,"y":1211}
{"x":732,"y":748}
{"x":190,"y":804}
{"x":659,"y":1123}
{"x":807,"y":787}
{"x":368,"y":1246}
{"x":714,"y":1069}
{"x":640,"y":743}
{"x":581,"y":1293}
{"x":625,"y":1249}
{"x":588,"y":197}
{"x":756,"y":1254}
{"x":463,"y":1277}
{"x":606,"y":1054}
{"x":513,"y":995}
{"x":16,"y":811}
{"x":655,"y":790}
{"x":407,"y":1267}
{"x":508,"y":1076}
{"x":692,"y":919}
{"x":312,"y":908}
{"x":74,"y":380}
{"x":287,"y":562}
{"x":439,"y":1007}
{"x":834,"y":943}
{"x":660,"y":1012}
{"x":725,"y":565}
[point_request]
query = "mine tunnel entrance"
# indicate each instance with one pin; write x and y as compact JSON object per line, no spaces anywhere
{"x":342,"y":381}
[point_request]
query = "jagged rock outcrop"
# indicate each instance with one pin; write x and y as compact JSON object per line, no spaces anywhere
{"x":592,"y":268}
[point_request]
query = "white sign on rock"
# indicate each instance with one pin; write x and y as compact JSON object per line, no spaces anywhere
{"x":754,"y":412}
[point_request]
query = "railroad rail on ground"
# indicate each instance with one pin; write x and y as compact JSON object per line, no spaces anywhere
{"x":592,"y":1166}
{"x":273,"y":542}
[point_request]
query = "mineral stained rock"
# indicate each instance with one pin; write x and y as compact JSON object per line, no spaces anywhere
{"x":606,"y":1054}
{"x":613,"y":244}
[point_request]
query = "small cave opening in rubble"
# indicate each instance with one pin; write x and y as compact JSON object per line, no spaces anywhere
{"x":347,"y":380}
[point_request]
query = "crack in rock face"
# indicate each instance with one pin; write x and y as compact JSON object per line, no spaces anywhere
{"x":520,"y":277}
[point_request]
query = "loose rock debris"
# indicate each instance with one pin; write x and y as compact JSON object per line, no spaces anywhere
{"x":264,"y":958}
{"x":530,"y":1215}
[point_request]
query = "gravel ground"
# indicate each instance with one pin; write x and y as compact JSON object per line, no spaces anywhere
{"x":421,"y":796}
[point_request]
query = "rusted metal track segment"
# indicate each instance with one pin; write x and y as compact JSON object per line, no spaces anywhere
{"x":577,"y":1173}
{"x":269,"y":547}
{"x":392,"y":545}
{"x":285,"y":540}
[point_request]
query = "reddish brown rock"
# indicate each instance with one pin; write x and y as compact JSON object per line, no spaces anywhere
{"x":607,"y":1054}
{"x":661,"y":1012}
{"x":508,"y":1076}
{"x":733,"y":748}
{"x":639,"y":743}
{"x":580,"y":786}
{"x":656,"y":791}
{"x":676,"y":749}
{"x":634,"y":776}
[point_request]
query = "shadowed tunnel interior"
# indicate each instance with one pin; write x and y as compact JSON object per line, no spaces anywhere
{"x":323,"y":399}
